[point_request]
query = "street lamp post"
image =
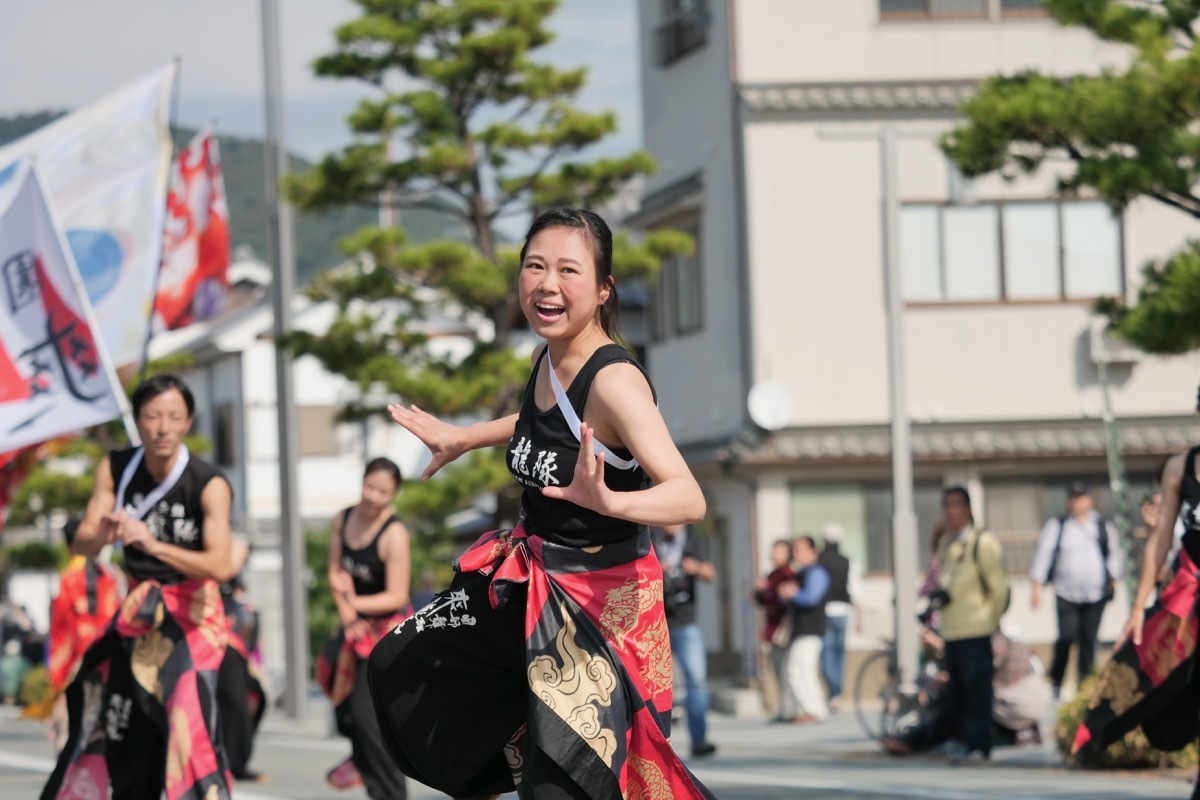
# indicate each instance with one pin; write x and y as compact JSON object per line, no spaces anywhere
{"x":279,"y":247}
{"x":904,"y":518}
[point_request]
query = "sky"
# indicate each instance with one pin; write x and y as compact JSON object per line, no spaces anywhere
{"x":54,"y":66}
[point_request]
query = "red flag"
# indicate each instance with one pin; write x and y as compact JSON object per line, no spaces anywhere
{"x":13,"y":386}
{"x":14,"y":467}
{"x":192,"y":282}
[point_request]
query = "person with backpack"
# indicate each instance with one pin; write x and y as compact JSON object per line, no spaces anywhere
{"x":974,"y":593}
{"x":1080,"y":554}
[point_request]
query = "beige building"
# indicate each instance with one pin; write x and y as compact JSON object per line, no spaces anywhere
{"x":764,"y":116}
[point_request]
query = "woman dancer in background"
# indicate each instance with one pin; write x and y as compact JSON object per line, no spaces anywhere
{"x":369,"y":578}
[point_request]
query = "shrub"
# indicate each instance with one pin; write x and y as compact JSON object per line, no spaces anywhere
{"x":322,"y":613}
{"x":37,"y":555}
{"x":1132,"y":752}
{"x":35,"y":686}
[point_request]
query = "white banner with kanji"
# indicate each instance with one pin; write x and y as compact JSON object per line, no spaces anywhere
{"x":106,"y":167}
{"x":55,"y":376}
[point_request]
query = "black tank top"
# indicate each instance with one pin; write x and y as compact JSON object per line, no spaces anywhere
{"x":364,"y":564}
{"x":1189,"y":506}
{"x":176,"y":518}
{"x":543,"y":452}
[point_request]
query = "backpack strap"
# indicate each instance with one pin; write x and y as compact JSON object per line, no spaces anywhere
{"x":982,"y":583}
{"x":1062,"y":525}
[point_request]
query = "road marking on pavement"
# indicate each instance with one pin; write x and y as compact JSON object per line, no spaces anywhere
{"x":27,"y":763}
{"x":46,"y":766}
{"x":858,"y":790}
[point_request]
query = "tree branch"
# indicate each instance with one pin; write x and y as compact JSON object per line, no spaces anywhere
{"x":526,"y":185}
{"x":1191,"y":207}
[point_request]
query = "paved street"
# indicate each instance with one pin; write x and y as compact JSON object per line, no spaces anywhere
{"x":756,"y":762}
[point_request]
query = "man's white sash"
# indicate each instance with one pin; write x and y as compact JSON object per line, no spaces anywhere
{"x":157,"y":493}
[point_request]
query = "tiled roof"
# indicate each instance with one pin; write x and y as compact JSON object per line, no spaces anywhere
{"x":962,"y":441}
{"x":906,"y":96}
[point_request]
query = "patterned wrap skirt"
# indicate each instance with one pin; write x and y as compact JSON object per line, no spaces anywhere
{"x":153,"y":670}
{"x":1152,"y":684}
{"x":541,"y":665}
{"x":337,"y":664}
{"x":256,"y":695}
{"x":86,"y":603}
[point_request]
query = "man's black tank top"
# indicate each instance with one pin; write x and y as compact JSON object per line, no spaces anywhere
{"x":364,"y":564}
{"x":177,"y":518}
{"x":1189,"y":506}
{"x":543,"y":452}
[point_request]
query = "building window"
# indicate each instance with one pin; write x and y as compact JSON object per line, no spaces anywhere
{"x":677,"y":306}
{"x":225,"y":446}
{"x":684,"y":29}
{"x":997,"y":252}
{"x":933,"y":9}
{"x":865,"y":512}
{"x":1016,"y":510}
{"x":904,"y":10}
{"x":316,"y":430}
{"x":1023,"y":8}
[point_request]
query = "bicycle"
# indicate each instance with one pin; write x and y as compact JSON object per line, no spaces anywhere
{"x":894,"y":710}
{"x":900,"y":708}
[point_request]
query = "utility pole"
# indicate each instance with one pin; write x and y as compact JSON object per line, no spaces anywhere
{"x":1117,"y":483}
{"x":904,"y":517}
{"x":279,"y":253}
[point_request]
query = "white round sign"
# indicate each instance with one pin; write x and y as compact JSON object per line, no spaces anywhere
{"x":770,"y":405}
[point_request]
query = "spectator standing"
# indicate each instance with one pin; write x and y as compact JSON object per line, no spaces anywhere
{"x":839,"y":604}
{"x":777,"y":623}
{"x":806,"y":598}
{"x":973,"y":578}
{"x":685,"y":559}
{"x":1080,"y":554}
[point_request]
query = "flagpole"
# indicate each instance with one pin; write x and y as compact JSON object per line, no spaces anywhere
{"x":279,"y":246}
{"x":172,"y":118}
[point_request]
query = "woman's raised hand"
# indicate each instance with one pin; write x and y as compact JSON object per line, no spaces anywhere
{"x":1133,"y":628}
{"x":445,"y":441}
{"x":587,"y":488}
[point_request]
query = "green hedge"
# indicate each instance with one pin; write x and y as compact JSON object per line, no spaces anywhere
{"x":35,"y":686}
{"x":37,"y":555}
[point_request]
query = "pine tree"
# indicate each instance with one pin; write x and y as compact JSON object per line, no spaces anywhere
{"x":1126,"y":133}
{"x":465,"y":118}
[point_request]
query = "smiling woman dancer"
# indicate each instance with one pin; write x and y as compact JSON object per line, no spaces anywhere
{"x":545,"y":666}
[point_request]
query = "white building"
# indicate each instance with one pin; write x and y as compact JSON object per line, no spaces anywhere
{"x":763,"y":116}
{"x":233,"y":379}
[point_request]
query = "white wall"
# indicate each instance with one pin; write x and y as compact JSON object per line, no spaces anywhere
{"x":813,"y":41}
{"x":818,"y":298}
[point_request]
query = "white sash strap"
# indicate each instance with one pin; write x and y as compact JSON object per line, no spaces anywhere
{"x":156,"y":494}
{"x":568,"y":412}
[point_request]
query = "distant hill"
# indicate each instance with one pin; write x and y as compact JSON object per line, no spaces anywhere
{"x":317,"y":235}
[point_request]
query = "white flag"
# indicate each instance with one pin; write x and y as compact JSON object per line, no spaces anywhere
{"x":106,"y":166}
{"x":55,"y":375}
